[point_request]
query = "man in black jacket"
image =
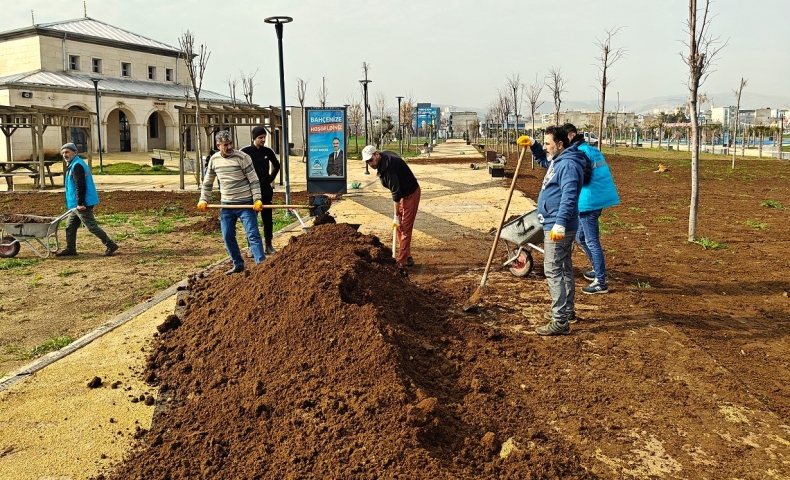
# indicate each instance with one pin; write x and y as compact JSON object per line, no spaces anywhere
{"x":262,"y":156}
{"x":399,"y":179}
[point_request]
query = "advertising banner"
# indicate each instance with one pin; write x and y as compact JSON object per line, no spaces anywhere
{"x":326,"y":143}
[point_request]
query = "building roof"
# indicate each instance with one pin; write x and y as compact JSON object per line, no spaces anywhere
{"x":94,"y":28}
{"x":93,"y":31}
{"x":123,"y":86}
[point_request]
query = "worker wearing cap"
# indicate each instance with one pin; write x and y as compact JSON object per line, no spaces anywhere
{"x":81,"y":197}
{"x":399,"y":179}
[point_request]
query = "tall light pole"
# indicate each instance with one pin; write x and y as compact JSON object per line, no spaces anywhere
{"x":98,"y":120}
{"x":365,"y":96}
{"x":278,"y":27}
{"x":400,"y":128}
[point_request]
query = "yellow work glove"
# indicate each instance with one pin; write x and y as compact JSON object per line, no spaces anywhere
{"x":257,"y":206}
{"x":524,"y":141}
{"x":202,"y":206}
{"x":395,"y":222}
{"x":557,"y":233}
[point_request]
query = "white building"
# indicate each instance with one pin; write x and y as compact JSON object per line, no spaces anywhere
{"x":140,"y":83}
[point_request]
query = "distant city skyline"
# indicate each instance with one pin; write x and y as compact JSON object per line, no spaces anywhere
{"x":454,"y":53}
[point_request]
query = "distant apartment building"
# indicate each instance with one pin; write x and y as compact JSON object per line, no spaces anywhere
{"x":460,"y":124}
{"x":140,"y":83}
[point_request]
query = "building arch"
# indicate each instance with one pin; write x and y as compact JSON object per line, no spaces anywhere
{"x":122,"y":128}
{"x":78,"y":136}
{"x":158,"y":129}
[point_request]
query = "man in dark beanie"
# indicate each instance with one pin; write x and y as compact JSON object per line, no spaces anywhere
{"x":264,"y":161}
{"x":81,"y":196}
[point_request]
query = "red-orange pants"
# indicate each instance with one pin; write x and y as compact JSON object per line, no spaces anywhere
{"x":407,"y":211}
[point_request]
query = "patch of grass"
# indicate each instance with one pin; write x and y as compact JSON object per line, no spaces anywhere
{"x":129,"y":168}
{"x":204,"y":264}
{"x":637,"y":209}
{"x":51,"y":345}
{"x":618,"y":223}
{"x":757,"y":225}
{"x":126,"y":306}
{"x":12,"y":263}
{"x":123,"y":235}
{"x":114,"y":219}
{"x":161,"y":283}
{"x":36,"y":281}
{"x":772,"y":204}
{"x":17,"y":352}
{"x":708,"y":244}
{"x":66,"y":272}
{"x":665,"y":218}
{"x":604,"y":228}
{"x":644,"y":284}
{"x":164,"y":226}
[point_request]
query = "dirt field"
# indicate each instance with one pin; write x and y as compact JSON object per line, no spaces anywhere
{"x":348,"y":367}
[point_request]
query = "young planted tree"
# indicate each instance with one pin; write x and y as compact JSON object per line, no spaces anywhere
{"x":407,"y":116}
{"x":301,"y":93}
{"x":607,"y":58}
{"x":702,"y":50}
{"x":556,"y":84}
{"x":381,"y":105}
{"x":533,"y":92}
{"x":248,"y":84}
{"x":354,"y":117}
{"x":323,"y":94}
{"x":515,"y":85}
{"x":737,"y":118}
{"x":196,"y":61}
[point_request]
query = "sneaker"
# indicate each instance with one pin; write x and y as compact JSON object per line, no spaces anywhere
{"x":589,"y":275}
{"x":66,"y":253}
{"x":235,"y":270}
{"x":409,"y":262}
{"x":594,"y":288}
{"x":571,"y":319}
{"x":111,"y":248}
{"x":554,"y":328}
{"x":269,"y":249}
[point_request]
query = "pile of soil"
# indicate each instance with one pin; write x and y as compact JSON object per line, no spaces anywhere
{"x":206,"y":226}
{"x":23,"y":219}
{"x":328,"y":362}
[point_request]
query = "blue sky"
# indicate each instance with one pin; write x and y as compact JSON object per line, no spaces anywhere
{"x":453,"y":52}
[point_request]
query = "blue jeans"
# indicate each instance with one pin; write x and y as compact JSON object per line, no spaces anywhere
{"x":249,"y":218}
{"x":590,"y":241}
{"x":558,"y":268}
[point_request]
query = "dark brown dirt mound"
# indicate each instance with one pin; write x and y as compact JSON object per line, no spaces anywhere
{"x":23,"y":219}
{"x":206,"y":226}
{"x":327,"y":362}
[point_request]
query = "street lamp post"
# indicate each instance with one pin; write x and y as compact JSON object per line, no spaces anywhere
{"x":98,"y":120}
{"x":400,"y":128}
{"x":365,"y":95}
{"x":278,"y":22}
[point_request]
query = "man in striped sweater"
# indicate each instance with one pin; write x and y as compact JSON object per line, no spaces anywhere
{"x":239,"y":185}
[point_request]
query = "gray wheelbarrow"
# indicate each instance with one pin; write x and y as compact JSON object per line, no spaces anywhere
{"x":521,"y":237}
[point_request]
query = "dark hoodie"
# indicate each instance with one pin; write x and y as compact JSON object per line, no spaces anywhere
{"x":396,"y":176}
{"x":558,"y":201}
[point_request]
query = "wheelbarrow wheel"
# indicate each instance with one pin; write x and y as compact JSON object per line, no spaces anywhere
{"x":521,"y":265}
{"x":8,"y":247}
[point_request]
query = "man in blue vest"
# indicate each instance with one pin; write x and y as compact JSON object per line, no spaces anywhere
{"x":81,"y":197}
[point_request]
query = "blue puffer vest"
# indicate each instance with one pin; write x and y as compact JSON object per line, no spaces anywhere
{"x":91,"y":195}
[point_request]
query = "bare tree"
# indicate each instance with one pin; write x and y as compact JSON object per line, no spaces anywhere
{"x":737,"y":118}
{"x":407,"y":115}
{"x":232,"y":82}
{"x":614,"y":143}
{"x":607,"y":58}
{"x":533,"y":98}
{"x":381,"y":105}
{"x":323,"y":94}
{"x":556,"y":84}
{"x":247,"y":84}
{"x":517,"y":87}
{"x":196,"y":61}
{"x":702,"y":50}
{"x":301,"y":92}
{"x":355,"y":117}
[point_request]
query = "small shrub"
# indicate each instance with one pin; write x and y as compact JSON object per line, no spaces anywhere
{"x":757,"y":225}
{"x":708,"y":244}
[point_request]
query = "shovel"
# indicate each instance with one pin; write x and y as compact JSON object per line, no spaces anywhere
{"x":475,"y":298}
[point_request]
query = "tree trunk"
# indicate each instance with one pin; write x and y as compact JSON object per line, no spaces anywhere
{"x":198,"y":159}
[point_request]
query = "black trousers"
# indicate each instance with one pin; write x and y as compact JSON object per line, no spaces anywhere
{"x":266,"y":214}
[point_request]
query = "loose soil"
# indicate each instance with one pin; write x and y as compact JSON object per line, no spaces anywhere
{"x":342,"y":365}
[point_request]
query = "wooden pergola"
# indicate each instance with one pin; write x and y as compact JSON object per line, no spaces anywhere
{"x":38,"y":119}
{"x":226,"y":118}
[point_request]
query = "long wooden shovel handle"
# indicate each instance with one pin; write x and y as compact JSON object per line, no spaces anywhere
{"x":270,"y":207}
{"x":504,"y":216}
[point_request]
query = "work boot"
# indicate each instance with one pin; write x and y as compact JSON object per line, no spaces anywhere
{"x":111,"y":248}
{"x":409,"y":262}
{"x":269,"y":248}
{"x":69,"y":252}
{"x":571,"y":318}
{"x":554,"y":328}
{"x":235,"y":269}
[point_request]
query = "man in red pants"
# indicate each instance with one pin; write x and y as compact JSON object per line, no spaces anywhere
{"x":398,"y":178}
